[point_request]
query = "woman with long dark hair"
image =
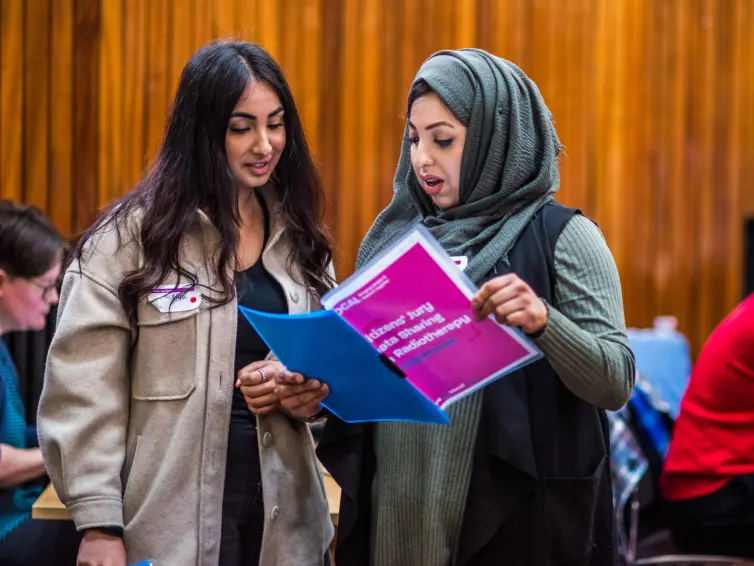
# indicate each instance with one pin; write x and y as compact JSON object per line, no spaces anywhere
{"x":149,"y":438}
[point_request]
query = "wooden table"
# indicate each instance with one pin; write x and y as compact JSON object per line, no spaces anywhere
{"x":332,"y":490}
{"x":48,"y":505}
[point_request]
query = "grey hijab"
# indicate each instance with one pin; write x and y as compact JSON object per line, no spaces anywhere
{"x":509,"y":167}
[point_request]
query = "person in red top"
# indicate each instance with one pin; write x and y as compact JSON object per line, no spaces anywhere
{"x":708,"y":476}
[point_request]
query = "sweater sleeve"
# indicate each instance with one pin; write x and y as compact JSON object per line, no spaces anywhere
{"x":585,"y":337}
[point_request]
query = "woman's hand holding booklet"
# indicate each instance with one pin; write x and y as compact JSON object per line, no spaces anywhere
{"x":398,"y":340}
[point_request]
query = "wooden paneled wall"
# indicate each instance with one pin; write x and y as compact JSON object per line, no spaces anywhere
{"x":653,"y":99}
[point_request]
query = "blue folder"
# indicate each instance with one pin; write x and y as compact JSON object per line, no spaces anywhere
{"x":364,"y":386}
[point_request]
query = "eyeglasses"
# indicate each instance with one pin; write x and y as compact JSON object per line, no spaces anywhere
{"x":45,"y":288}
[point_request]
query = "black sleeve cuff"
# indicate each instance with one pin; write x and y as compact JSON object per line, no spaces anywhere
{"x":112,"y":531}
{"x":319,"y":416}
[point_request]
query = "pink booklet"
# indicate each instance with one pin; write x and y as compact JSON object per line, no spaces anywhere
{"x":398,"y":340}
{"x":412,"y":304}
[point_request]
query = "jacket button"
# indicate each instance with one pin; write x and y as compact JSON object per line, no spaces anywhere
{"x":267,"y":439}
{"x":294,"y":296}
{"x":274,"y":513}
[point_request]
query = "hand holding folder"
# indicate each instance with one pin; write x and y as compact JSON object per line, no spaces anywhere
{"x":398,"y":339}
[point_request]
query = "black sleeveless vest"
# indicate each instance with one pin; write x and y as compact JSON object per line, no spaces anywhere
{"x":540,"y":491}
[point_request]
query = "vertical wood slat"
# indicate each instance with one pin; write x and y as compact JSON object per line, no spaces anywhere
{"x":745,"y":23}
{"x":226,"y":19}
{"x":512,"y":37}
{"x":268,"y":31}
{"x":463,"y":19}
{"x":369,"y":130}
{"x":704,"y":74}
{"x":135,"y":77}
{"x":607,"y":143}
{"x":391,"y":103}
{"x":11,"y":99}
{"x":727,"y":234}
{"x":658,"y":133}
{"x":623,"y":157}
{"x":110,"y":184}
{"x":204,"y":22}
{"x":36,"y":102}
{"x":289,"y":17}
{"x":85,"y":111}
{"x":431,"y":18}
{"x":583,"y":100}
{"x":61,"y":117}
{"x":181,"y":46}
{"x":408,"y":60}
{"x":643,"y":249}
{"x":590,"y":103}
{"x":329,"y":128}
{"x":247,"y":24}
{"x":681,"y":199}
{"x":349,"y":110}
{"x":157,"y":64}
{"x":486,"y":24}
{"x":308,"y":96}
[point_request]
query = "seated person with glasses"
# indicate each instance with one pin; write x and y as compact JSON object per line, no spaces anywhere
{"x":31,"y":254}
{"x":708,"y":476}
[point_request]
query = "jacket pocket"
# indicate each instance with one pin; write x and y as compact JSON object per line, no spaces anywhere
{"x":164,"y":356}
{"x":570,"y":505}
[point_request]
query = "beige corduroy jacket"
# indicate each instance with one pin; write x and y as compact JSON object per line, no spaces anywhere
{"x":133,"y":420}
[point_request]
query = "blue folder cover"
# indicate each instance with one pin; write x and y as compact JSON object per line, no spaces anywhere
{"x":322,"y":346}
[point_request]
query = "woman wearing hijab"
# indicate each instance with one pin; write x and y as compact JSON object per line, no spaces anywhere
{"x":521,"y":475}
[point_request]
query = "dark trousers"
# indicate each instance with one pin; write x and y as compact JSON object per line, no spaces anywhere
{"x":719,"y":523}
{"x":243,"y":509}
{"x":40,"y":543}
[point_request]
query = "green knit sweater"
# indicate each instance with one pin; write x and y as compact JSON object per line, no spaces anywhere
{"x":423,"y":471}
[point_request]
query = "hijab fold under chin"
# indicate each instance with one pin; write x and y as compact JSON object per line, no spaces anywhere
{"x":509,"y":168}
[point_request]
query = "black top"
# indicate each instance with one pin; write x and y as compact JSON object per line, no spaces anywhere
{"x":257,"y":290}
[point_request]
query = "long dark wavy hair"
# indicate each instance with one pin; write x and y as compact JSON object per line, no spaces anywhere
{"x":191,"y":173}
